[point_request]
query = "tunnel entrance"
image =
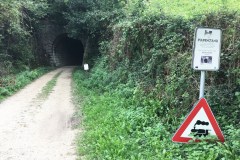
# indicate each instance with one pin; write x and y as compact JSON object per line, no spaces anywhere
{"x":67,"y":51}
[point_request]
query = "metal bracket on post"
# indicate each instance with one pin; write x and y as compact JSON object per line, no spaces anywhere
{"x":202,"y":84}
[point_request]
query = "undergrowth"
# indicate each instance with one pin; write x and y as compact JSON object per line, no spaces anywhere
{"x":142,"y":87}
{"x":14,"y":82}
{"x":123,"y":124}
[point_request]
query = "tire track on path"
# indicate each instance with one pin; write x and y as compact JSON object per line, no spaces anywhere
{"x":30,"y":130}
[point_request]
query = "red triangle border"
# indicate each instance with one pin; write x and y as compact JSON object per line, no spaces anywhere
{"x":202,"y":103}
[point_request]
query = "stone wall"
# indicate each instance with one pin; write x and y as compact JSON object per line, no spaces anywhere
{"x":49,"y":36}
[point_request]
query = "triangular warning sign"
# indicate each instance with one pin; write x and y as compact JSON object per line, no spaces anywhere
{"x":199,"y":123}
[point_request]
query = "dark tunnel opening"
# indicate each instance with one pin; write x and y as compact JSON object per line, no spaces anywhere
{"x":68,"y":51}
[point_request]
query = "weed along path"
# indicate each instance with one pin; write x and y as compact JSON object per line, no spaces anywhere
{"x":35,"y":123}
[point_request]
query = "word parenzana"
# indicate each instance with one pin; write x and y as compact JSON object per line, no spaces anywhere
{"x":207,"y":40}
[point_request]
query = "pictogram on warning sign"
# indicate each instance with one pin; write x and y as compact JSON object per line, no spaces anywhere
{"x":199,"y":123}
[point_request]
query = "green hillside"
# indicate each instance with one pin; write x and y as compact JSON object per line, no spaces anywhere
{"x":189,"y":8}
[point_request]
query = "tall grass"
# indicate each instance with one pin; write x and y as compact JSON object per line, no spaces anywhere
{"x":190,"y":8}
{"x":12,"y":83}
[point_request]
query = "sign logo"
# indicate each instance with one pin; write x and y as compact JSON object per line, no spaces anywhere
{"x":208,"y":32}
{"x":200,"y":132}
{"x":199,"y":123}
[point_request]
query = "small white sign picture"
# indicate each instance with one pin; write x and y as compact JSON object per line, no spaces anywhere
{"x":207,"y":49}
{"x":86,"y":67}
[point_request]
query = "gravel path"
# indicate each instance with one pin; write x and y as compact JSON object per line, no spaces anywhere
{"x":31,"y":129}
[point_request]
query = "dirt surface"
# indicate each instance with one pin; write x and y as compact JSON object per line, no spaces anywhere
{"x":31,"y":129}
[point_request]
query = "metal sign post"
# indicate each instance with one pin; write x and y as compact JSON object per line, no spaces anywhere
{"x":202,"y":85}
{"x":206,"y":57}
{"x":206,"y":53}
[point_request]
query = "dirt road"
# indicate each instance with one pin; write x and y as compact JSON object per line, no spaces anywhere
{"x":32,"y":129}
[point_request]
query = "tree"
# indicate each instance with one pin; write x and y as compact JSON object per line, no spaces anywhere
{"x":17,"y":29}
{"x":92,"y":16}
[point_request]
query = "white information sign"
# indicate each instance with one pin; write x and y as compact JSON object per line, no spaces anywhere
{"x":207,"y":48}
{"x":86,"y":67}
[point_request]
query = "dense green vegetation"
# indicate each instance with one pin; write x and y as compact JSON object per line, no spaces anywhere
{"x":18,"y":41}
{"x":123,"y":124}
{"x":18,"y":46}
{"x":13,"y":82}
{"x":143,"y":86}
{"x":21,"y":59}
{"x":187,"y":8}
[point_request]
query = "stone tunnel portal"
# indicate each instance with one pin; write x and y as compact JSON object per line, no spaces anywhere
{"x":67,"y":51}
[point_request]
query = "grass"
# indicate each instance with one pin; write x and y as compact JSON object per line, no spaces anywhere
{"x":48,"y":87}
{"x":189,"y":8}
{"x":12,"y":83}
{"x":119,"y":128}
